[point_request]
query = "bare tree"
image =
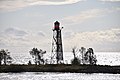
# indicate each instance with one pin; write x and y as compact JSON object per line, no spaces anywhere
{"x":76,"y":60}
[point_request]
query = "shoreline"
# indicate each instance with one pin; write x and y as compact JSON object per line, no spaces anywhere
{"x":60,"y":68}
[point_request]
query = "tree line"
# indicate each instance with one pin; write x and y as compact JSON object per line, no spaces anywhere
{"x":81,"y":56}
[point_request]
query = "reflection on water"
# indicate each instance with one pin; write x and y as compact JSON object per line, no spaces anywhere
{"x":104,"y":58}
{"x":57,"y":76}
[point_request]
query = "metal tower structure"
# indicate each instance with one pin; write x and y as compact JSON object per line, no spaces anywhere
{"x":57,"y":49}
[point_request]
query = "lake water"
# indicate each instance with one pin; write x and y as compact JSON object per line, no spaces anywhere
{"x":57,"y":76}
{"x":104,"y":58}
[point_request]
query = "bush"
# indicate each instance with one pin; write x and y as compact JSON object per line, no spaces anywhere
{"x":75,"y":61}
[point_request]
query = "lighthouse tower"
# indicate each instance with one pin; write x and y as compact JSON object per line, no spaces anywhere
{"x":57,"y":49}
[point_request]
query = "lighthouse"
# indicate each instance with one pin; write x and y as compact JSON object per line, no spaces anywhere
{"x":57,"y":48}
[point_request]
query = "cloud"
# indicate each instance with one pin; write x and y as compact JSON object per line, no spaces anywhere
{"x":33,"y":14}
{"x":2,"y":44}
{"x":15,"y":32}
{"x":68,"y":34}
{"x":103,"y":39}
{"x":87,"y":15}
{"x":40,"y":33}
{"x":84,"y":15}
{"x":15,"y":37}
{"x":110,"y":0}
{"x":11,"y":5}
{"x":48,"y":2}
{"x":12,"y":37}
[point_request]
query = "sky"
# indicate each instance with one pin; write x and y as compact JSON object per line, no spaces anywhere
{"x":25,"y":24}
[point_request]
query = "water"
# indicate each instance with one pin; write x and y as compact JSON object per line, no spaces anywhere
{"x":57,"y":76}
{"x":104,"y":58}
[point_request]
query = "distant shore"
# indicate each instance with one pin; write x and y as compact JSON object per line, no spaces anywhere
{"x":61,"y":68}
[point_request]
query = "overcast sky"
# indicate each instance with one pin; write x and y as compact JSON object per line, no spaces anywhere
{"x":25,"y":24}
